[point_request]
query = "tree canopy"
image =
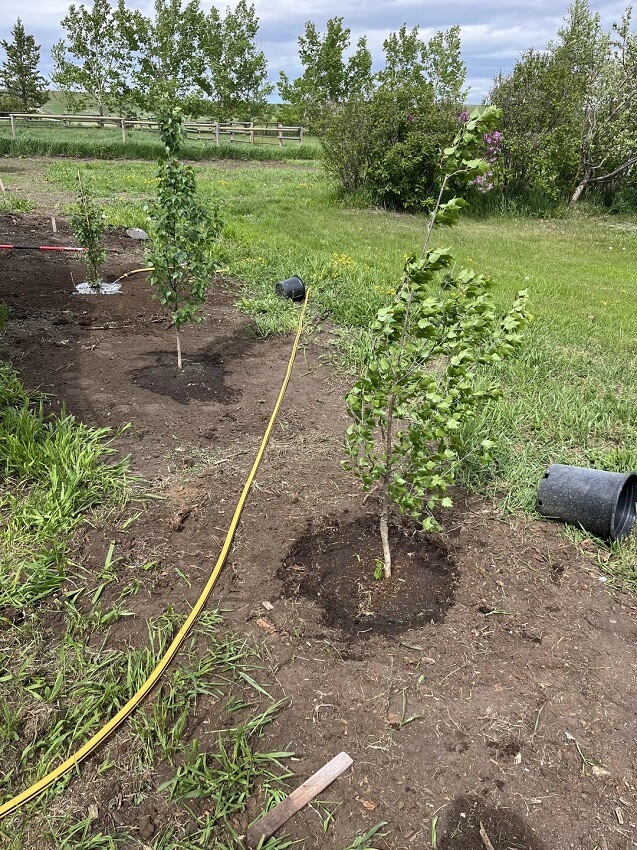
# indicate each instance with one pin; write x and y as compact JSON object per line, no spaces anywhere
{"x":569,"y":110}
{"x":328,"y":77}
{"x":93,"y":64}
{"x":19,"y":75}
{"x":122,"y":59}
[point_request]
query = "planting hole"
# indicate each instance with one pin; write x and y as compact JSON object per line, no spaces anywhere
{"x":335,"y":565}
{"x":202,"y":379}
{"x":460,"y":829}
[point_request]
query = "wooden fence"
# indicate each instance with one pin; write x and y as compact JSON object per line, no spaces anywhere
{"x":234,"y":131}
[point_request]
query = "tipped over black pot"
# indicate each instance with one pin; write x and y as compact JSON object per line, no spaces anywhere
{"x":599,"y":501}
{"x":293,"y":288}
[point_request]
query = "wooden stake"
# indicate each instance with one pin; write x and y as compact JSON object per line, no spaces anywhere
{"x":485,"y":838}
{"x":2,"y":186}
{"x":12,"y":117}
{"x":53,"y":224}
{"x":268,"y":824}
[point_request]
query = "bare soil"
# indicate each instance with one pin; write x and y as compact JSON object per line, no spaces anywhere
{"x":492,"y":682}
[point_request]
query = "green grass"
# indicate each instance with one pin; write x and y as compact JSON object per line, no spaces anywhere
{"x":60,"y":677}
{"x":54,"y":471}
{"x":34,"y":139}
{"x":570,"y":396}
{"x":15,"y":204}
{"x":360,"y":840}
{"x":71,"y":682}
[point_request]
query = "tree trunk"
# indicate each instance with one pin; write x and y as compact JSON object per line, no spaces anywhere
{"x":384,"y":536}
{"x":578,"y":191}
{"x":178,"y":349}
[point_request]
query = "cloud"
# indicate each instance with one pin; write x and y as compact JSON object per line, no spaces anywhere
{"x":494,"y":32}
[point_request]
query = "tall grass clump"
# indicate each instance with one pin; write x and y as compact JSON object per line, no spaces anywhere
{"x":53,"y":470}
{"x":15,"y":204}
{"x":68,"y":143}
{"x":528,"y":204}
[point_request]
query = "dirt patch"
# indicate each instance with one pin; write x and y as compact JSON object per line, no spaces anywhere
{"x":335,"y":567}
{"x":476,"y":706}
{"x":469,"y":823}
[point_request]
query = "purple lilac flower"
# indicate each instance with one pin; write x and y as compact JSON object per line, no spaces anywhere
{"x":492,"y":143}
{"x":463,"y":117}
{"x":483,"y":182}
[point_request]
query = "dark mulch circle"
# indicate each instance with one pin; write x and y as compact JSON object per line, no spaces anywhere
{"x":334,"y":566}
{"x":505,"y":830}
{"x":203,"y":378}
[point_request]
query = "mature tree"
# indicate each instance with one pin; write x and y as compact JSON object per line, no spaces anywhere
{"x":435,"y":67}
{"x":540,"y":112}
{"x":208,"y":63}
{"x":445,"y":69}
{"x":168,"y":50}
{"x":327,"y":77}
{"x":404,"y":61}
{"x":235,"y":78}
{"x":388,"y":142}
{"x":93,"y":63}
{"x":569,"y":110}
{"x":19,"y":75}
{"x":606,"y":65}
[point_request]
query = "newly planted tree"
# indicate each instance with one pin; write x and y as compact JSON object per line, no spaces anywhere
{"x":185,"y":234}
{"x":421,"y":383}
{"x":88,"y":223}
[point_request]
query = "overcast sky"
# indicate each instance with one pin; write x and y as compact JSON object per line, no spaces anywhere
{"x":494,"y":32}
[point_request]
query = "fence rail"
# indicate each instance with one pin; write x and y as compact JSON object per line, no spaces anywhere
{"x":234,"y":131}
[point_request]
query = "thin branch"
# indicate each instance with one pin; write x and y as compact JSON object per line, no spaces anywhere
{"x":619,"y":170}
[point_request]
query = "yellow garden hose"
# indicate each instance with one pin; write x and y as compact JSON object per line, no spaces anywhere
{"x":152,"y":269}
{"x":135,"y":271}
{"x":106,"y":730}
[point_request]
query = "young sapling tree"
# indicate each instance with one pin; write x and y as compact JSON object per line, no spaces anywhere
{"x":88,"y":222}
{"x":420,"y":383}
{"x":185,"y":234}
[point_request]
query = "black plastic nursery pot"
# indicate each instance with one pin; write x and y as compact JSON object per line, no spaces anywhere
{"x":599,"y":501}
{"x":293,"y":288}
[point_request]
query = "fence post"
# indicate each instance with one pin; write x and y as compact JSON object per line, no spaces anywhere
{"x":123,"y":131}
{"x":279,"y":125}
{"x":251,"y":132}
{"x":301,"y":135}
{"x":12,"y":126}
{"x":217,"y":133}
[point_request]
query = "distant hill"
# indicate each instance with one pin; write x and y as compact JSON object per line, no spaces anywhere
{"x":57,"y":105}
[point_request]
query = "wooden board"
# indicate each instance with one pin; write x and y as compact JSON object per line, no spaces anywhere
{"x":268,"y":824}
